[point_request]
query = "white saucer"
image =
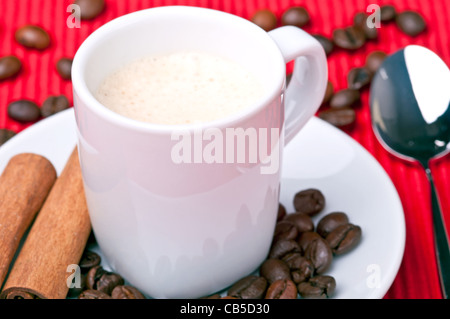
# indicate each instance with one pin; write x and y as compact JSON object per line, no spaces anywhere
{"x":322,"y":157}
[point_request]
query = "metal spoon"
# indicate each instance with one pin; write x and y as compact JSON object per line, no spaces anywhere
{"x":410,"y":109}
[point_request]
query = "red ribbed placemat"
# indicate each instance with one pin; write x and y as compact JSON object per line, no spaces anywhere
{"x":418,"y":277}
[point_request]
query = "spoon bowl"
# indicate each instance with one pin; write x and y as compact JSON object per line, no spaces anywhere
{"x":410,"y":104}
{"x":410,"y":110}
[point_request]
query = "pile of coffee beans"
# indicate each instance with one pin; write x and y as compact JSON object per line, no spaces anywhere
{"x":296,"y":266}
{"x":352,"y":37}
{"x":342,"y":104}
{"x":34,"y":37}
{"x":339,"y":108}
{"x":97,"y":283}
{"x":301,"y":253}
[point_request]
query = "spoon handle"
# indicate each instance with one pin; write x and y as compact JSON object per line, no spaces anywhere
{"x":441,"y":240}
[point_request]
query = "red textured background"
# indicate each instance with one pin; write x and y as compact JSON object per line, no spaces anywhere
{"x":418,"y":276}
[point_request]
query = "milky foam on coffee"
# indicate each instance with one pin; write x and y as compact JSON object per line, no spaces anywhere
{"x":179,"y":88}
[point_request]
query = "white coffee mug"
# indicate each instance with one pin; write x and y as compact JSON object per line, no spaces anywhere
{"x":180,"y":229}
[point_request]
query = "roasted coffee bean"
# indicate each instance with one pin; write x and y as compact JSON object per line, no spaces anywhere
{"x":411,"y":23}
{"x":282,"y":289}
{"x":301,"y":221}
{"x":329,"y":222}
{"x":370,"y":32}
{"x":250,"y":287}
{"x":309,"y":201}
{"x":326,"y":43}
{"x":301,"y":267}
{"x":283,"y":247}
{"x":329,"y":92}
{"x":290,"y":258}
{"x":320,"y":254}
{"x":102,"y":280}
{"x":24,"y":111}
{"x":274,"y":269}
{"x":9,"y":67}
{"x":387,"y":13}
{"x":345,"y":98}
{"x":296,"y":16}
{"x":307,"y":238}
{"x":344,"y":238}
{"x":285,"y":230}
{"x":93,"y":294}
{"x":93,"y":276}
{"x":359,"y":78}
{"x":53,"y":105}
{"x":308,"y":291}
{"x":360,"y":21}
{"x":89,"y":260}
{"x":126,"y":292}
{"x":64,"y":68}
{"x":5,"y":135}
{"x":109,"y":281}
{"x":265,"y":19}
{"x":341,"y":118}
{"x":350,"y":38}
{"x":90,"y":9}
{"x":281,"y":212}
{"x":374,"y":60}
{"x":33,"y":37}
{"x":318,"y":287}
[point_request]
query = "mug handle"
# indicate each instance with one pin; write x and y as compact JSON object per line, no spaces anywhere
{"x":306,"y":90}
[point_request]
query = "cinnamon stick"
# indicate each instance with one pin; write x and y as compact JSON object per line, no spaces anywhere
{"x":24,"y":185}
{"x":56,"y":240}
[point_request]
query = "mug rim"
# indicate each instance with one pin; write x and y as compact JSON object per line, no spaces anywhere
{"x":82,"y":92}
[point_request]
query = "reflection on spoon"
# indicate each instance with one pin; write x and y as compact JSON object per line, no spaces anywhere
{"x":430,"y":81}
